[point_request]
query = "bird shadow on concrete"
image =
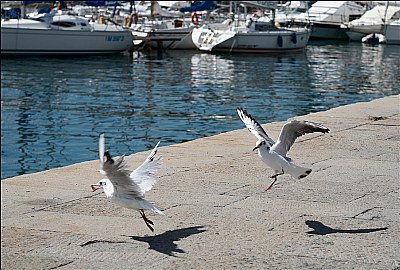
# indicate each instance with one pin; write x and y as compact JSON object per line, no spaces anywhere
{"x":164,"y":243}
{"x":321,"y":229}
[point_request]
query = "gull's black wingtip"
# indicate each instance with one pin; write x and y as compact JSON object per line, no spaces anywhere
{"x":242,"y":110}
{"x":108,"y":156}
{"x":325,"y":129}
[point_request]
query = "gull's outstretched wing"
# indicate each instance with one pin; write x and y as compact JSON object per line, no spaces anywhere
{"x":118,"y":173}
{"x":254,"y":127}
{"x":144,"y":175}
{"x":291,"y":131}
{"x":101,"y":152}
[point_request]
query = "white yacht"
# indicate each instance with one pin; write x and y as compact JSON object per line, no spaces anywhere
{"x":61,"y":34}
{"x":326,"y":18}
{"x":253,"y":35}
{"x":372,"y":21}
{"x":171,"y":34}
{"x":169,"y":28}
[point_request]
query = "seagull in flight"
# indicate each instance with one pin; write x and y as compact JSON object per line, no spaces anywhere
{"x":126,"y":187}
{"x":274,"y":154}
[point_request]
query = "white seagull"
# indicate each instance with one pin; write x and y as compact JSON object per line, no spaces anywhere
{"x":127,"y":187}
{"x":274,"y":154}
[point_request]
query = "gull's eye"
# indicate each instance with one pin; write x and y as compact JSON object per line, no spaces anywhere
{"x":102,"y":183}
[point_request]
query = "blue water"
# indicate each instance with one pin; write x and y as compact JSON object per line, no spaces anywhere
{"x":53,"y":109}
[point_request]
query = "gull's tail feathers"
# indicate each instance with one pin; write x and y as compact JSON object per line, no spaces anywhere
{"x":149,"y":206}
{"x":298,"y":172}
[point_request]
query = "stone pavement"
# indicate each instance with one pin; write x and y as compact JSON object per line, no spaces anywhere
{"x":344,"y":215}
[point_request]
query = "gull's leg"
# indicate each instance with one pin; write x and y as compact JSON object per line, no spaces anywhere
{"x":275,"y":177}
{"x":146,"y":220}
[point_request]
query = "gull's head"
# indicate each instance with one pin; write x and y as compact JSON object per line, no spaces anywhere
{"x":101,"y":184}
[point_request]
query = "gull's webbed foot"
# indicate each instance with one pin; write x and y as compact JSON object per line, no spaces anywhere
{"x":146,"y":220}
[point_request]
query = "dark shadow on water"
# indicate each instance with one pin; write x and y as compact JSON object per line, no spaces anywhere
{"x":321,"y":229}
{"x":164,"y":243}
{"x":328,"y":42}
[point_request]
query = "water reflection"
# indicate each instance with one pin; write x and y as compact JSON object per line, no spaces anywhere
{"x":54,"y":109}
{"x":266,"y":82}
{"x":355,"y":68}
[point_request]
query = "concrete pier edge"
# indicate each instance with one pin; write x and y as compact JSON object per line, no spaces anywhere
{"x":344,"y":215}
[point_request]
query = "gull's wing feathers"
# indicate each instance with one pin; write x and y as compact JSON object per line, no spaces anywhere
{"x":144,"y":175}
{"x":253,"y":126}
{"x":101,"y":152}
{"x":291,"y":131}
{"x":119,"y":174}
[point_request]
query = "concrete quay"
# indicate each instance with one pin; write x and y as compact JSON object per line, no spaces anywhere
{"x":344,"y":215}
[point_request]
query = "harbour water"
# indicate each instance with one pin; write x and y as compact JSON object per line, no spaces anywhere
{"x":53,"y":109}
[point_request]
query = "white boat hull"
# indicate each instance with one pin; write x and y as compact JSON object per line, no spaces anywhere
{"x":355,"y":36}
{"x":40,"y":42}
{"x":168,"y":39}
{"x":250,"y":42}
{"x":356,"y":33}
{"x":392,"y":33}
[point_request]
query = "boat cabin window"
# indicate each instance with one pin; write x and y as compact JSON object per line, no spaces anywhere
{"x":83,"y":24}
{"x":354,"y":17}
{"x":64,"y":24}
{"x":178,"y":23}
{"x":263,"y":26}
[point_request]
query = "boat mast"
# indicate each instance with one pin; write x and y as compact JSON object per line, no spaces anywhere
{"x":23,"y":10}
{"x":386,"y":9}
{"x":384,"y":19}
{"x":152,"y":10}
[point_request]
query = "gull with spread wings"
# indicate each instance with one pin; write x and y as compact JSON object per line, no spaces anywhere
{"x":274,"y":154}
{"x":126,"y":187}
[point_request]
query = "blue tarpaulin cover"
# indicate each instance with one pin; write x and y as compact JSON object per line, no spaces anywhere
{"x":204,"y":5}
{"x":101,"y":3}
